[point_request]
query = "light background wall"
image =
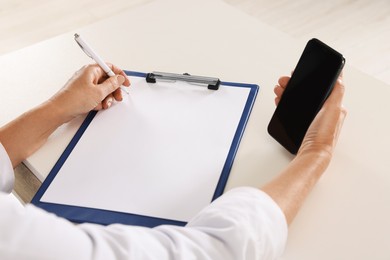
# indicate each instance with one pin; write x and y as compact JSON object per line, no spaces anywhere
{"x":360,"y":29}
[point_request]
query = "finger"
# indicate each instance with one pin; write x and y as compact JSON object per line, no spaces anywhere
{"x":110,"y":85}
{"x":118,"y":95}
{"x":118,"y":71}
{"x":283,"y":81}
{"x":99,"y":75}
{"x":95,"y":72}
{"x":341,"y":76}
{"x":340,"y":124}
{"x":107,"y":102}
{"x":336,"y":97}
{"x":277,"y":99}
{"x":278,"y":90}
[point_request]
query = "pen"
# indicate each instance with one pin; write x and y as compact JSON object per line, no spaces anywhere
{"x":93,"y":55}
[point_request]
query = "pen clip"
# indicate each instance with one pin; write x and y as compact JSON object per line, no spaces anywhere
{"x":212,"y":83}
{"x":76,"y":37}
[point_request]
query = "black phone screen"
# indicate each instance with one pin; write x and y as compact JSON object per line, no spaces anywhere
{"x":309,"y":86}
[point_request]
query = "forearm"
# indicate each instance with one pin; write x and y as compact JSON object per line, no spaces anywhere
{"x":24,"y":135}
{"x":81,"y":94}
{"x":292,"y":186}
{"x":243,"y":223}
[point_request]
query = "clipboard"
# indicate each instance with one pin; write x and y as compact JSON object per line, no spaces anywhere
{"x":158,"y":157}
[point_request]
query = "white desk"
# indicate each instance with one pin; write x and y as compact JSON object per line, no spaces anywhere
{"x":346,"y":216}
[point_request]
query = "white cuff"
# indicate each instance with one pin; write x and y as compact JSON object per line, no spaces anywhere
{"x":7,"y":177}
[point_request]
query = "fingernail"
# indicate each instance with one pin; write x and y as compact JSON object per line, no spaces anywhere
{"x":120,"y":79}
{"x":109,"y":102}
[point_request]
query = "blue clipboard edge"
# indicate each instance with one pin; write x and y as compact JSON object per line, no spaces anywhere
{"x":79,"y":214}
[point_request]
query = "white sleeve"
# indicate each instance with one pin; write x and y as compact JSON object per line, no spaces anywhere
{"x":244,"y":223}
{"x":7,"y":176}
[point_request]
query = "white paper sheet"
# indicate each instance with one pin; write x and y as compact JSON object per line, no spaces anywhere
{"x":159,"y":152}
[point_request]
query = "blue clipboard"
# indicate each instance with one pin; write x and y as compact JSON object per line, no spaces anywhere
{"x":80,"y":214}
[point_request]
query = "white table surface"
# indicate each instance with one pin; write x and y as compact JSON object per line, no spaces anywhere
{"x":347,"y":216}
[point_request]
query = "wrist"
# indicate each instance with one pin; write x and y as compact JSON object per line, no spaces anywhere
{"x":58,"y":111}
{"x":318,"y":148}
{"x":318,"y":158}
{"x":64,"y":106}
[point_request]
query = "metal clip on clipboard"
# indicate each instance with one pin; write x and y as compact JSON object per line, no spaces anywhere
{"x":212,"y":83}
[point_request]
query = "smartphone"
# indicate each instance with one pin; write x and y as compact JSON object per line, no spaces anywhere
{"x":311,"y":83}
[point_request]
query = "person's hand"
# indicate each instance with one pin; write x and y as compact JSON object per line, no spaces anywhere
{"x":89,"y":89}
{"x":322,"y":135}
{"x":280,"y":87}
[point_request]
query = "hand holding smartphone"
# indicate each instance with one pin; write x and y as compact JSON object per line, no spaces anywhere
{"x":311,"y":83}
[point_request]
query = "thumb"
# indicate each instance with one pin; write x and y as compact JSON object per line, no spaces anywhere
{"x":111,"y":84}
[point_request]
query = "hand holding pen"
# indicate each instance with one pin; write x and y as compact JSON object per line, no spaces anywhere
{"x":89,"y":89}
{"x":93,"y":55}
